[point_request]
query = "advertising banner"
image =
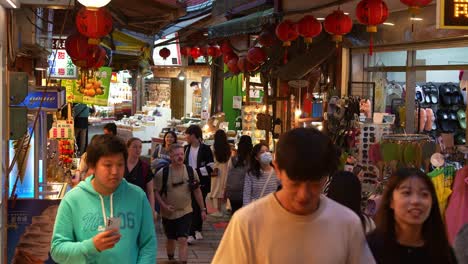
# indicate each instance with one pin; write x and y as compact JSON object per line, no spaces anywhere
{"x":93,"y":92}
{"x":30,"y":226}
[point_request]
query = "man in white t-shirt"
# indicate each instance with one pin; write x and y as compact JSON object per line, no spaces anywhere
{"x":297,"y":224}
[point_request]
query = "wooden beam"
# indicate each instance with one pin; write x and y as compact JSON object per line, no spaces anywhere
{"x":118,"y":15}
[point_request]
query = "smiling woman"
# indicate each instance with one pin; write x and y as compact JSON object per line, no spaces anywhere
{"x":409,"y":224}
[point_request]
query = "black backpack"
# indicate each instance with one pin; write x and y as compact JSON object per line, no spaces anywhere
{"x":193,"y":184}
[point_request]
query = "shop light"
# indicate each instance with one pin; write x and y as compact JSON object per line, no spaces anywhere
{"x":320,"y":18}
{"x":12,"y":4}
{"x":181,"y":76}
{"x":298,"y":112}
{"x":93,"y":3}
{"x":416,"y":19}
{"x":346,"y":13}
{"x":389,"y":24}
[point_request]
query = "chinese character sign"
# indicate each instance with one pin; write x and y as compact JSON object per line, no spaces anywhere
{"x":452,"y":14}
{"x":60,"y":64}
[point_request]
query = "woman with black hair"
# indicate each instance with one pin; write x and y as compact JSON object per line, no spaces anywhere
{"x":222,"y":154}
{"x":409,"y":224}
{"x":345,"y":189}
{"x":261,"y":178}
{"x":161,"y":156}
{"x":236,"y":172}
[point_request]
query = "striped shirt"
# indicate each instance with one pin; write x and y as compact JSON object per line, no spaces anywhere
{"x":253,"y":186}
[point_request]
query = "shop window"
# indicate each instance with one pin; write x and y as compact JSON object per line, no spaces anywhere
{"x":391,"y":58}
{"x":450,"y":56}
{"x":388,"y":87}
{"x":440,"y":76}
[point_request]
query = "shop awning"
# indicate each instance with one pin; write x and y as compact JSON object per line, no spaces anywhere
{"x":180,"y":25}
{"x":252,"y":23}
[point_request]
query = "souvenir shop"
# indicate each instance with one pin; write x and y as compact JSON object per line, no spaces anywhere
{"x":406,"y":107}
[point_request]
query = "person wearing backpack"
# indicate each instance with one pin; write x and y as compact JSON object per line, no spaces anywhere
{"x":174,"y":186}
{"x":236,"y":172}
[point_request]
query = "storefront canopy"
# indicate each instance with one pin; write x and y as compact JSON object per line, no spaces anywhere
{"x":183,"y":23}
{"x":252,"y":23}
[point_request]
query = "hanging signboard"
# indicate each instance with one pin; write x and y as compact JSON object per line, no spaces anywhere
{"x":62,"y":66}
{"x":94,"y":92}
{"x":452,"y":14}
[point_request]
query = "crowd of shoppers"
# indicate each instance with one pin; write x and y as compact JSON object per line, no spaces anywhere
{"x":274,"y":201}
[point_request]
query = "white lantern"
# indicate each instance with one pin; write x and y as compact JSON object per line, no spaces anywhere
{"x":94,"y":3}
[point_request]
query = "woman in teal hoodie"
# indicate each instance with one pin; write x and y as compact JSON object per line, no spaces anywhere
{"x":83,"y":232}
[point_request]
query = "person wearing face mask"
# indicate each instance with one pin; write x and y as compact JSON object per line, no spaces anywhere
{"x":297,"y":224}
{"x":261,"y":178}
{"x":409,"y":225}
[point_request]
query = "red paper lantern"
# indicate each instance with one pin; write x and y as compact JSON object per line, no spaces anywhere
{"x":266,"y":39}
{"x":286,"y":31}
{"x":204,"y":51}
{"x":185,"y":51}
{"x":228,"y":57}
{"x":214,"y":51}
{"x":226,"y":47}
{"x":92,"y":57}
{"x":256,"y":55}
{"x":245,"y":66}
{"x":76,"y":46}
{"x":372,"y":13}
{"x":195,"y":52}
{"x":164,"y":53}
{"x":101,"y":58}
{"x":415,"y":5}
{"x":94,"y":24}
{"x":338,"y":24}
{"x":309,"y":27}
{"x":232,"y":66}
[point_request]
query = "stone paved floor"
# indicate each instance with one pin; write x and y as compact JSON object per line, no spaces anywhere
{"x":203,"y":251}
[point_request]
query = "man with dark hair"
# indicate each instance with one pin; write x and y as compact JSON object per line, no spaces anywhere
{"x":110,"y":128}
{"x":174,"y":187}
{"x":297,"y":224}
{"x":104,"y":219}
{"x":199,"y":157}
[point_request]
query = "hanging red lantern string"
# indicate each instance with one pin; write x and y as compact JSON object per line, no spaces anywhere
{"x":309,"y":27}
{"x":94,"y":24}
{"x":228,"y":57}
{"x":266,"y":39}
{"x":77,"y":46}
{"x":245,"y":66}
{"x":204,"y":50}
{"x":185,"y":51}
{"x":371,"y":13}
{"x":232,"y":66}
{"x":214,"y":51}
{"x":226,"y":47}
{"x":286,"y":31}
{"x":164,"y":53}
{"x":256,"y":55}
{"x":338,"y":24}
{"x":415,"y":5}
{"x":101,"y":58}
{"x":195,"y":52}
